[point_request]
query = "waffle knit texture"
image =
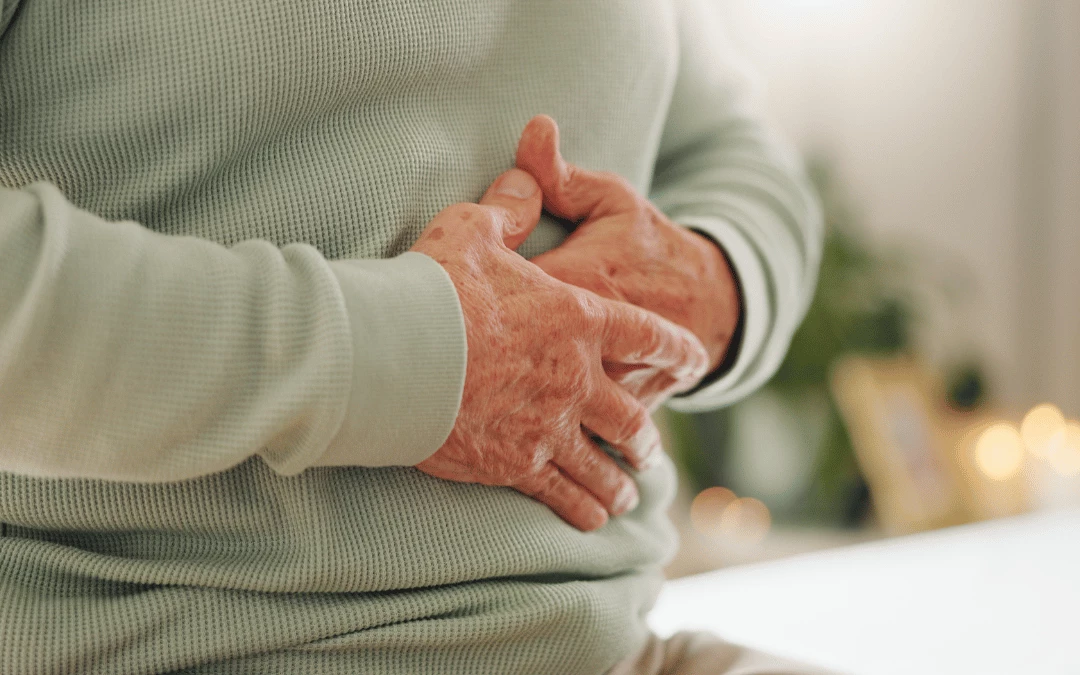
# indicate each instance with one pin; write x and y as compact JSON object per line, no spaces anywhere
{"x":218,"y":363}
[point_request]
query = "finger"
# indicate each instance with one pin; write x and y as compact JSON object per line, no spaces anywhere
{"x":578,"y":270}
{"x":517,"y":197}
{"x":614,"y":415}
{"x":659,"y":389}
{"x":635,"y":336}
{"x":630,"y":376}
{"x":638,"y":382}
{"x":592,"y":468}
{"x":570,"y":192}
{"x":648,"y":385}
{"x":567,"y":499}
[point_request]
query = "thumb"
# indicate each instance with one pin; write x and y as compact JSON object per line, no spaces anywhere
{"x":517,"y":196}
{"x":570,"y":192}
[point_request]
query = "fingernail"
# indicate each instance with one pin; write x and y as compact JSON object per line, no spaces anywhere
{"x":654,"y":456}
{"x":649,"y":439}
{"x":626,"y":500}
{"x":653,"y":459}
{"x":517,"y":184}
{"x":596,"y":519}
{"x":694,"y":372}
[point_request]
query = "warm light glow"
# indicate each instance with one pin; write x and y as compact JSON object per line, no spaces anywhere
{"x":706,"y":508}
{"x":718,"y":514}
{"x":1040,"y":427}
{"x":1064,"y":452}
{"x":745,"y":521}
{"x":999,"y":452}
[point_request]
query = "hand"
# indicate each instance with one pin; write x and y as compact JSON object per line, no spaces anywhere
{"x":624,"y":248}
{"x":535,"y":384}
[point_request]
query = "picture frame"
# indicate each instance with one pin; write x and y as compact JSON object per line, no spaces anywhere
{"x":892,"y":408}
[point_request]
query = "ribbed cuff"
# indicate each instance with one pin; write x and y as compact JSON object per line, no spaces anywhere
{"x":756,"y":312}
{"x":409,"y":353}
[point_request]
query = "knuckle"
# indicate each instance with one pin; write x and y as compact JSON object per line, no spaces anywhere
{"x":617,"y":181}
{"x":549,"y":483}
{"x":491,"y":212}
{"x":531,"y":454}
{"x":583,"y":307}
{"x":620,"y":482}
{"x":588,"y":462}
{"x":480,"y":217}
{"x":568,"y":306}
{"x":536,"y":458}
{"x":462,"y":211}
{"x":625,"y":316}
{"x":570,"y":177}
{"x":490,"y":217}
{"x":631,"y":424}
{"x":611,"y":480}
{"x":656,"y":334}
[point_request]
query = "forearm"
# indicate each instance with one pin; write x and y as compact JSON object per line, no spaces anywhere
{"x":131,"y":355}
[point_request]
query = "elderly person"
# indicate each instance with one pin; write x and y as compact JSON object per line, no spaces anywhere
{"x":277,"y":395}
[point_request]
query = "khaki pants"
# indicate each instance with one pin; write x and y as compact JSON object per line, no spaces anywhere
{"x":705,"y":654}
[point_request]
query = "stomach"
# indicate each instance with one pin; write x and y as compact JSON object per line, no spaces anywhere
{"x":333,"y":565}
{"x":327,"y":529}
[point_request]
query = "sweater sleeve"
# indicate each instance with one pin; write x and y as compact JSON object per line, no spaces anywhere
{"x":7,"y":10}
{"x":130,"y":355}
{"x":721,"y":172}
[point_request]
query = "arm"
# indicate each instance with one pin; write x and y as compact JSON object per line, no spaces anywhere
{"x":130,"y":355}
{"x":720,"y":172}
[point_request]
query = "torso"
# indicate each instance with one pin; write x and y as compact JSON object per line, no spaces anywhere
{"x":346,"y":125}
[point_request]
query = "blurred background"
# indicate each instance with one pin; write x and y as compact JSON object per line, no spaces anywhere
{"x":936,"y":380}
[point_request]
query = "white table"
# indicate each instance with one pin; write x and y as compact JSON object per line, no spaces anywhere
{"x":994,"y":597}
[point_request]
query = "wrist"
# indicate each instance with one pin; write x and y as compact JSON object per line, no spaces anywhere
{"x":722,"y":307}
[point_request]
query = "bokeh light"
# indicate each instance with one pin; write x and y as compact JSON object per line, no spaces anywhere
{"x":999,"y":451}
{"x":717,"y":513}
{"x":745,"y":521}
{"x":706,"y":508}
{"x":1064,"y":451}
{"x":1040,"y":427}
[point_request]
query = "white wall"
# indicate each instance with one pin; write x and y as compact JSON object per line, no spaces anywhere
{"x":931,"y":113}
{"x":1063,"y":365}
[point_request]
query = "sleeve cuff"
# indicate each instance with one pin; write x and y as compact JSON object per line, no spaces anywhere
{"x":757,"y":313}
{"x":409,"y":354}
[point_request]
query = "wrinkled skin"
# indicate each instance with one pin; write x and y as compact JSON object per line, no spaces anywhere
{"x":535,"y":382}
{"x":625,"y":249}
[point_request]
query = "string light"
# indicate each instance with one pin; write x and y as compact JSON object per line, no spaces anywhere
{"x":1040,"y":428}
{"x":999,"y":451}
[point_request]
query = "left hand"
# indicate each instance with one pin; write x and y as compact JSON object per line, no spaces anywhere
{"x":625,"y":249}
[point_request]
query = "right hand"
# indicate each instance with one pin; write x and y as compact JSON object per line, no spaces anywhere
{"x":535,"y":384}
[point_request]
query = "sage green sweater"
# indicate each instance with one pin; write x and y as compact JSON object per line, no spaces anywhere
{"x":217,"y":366}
